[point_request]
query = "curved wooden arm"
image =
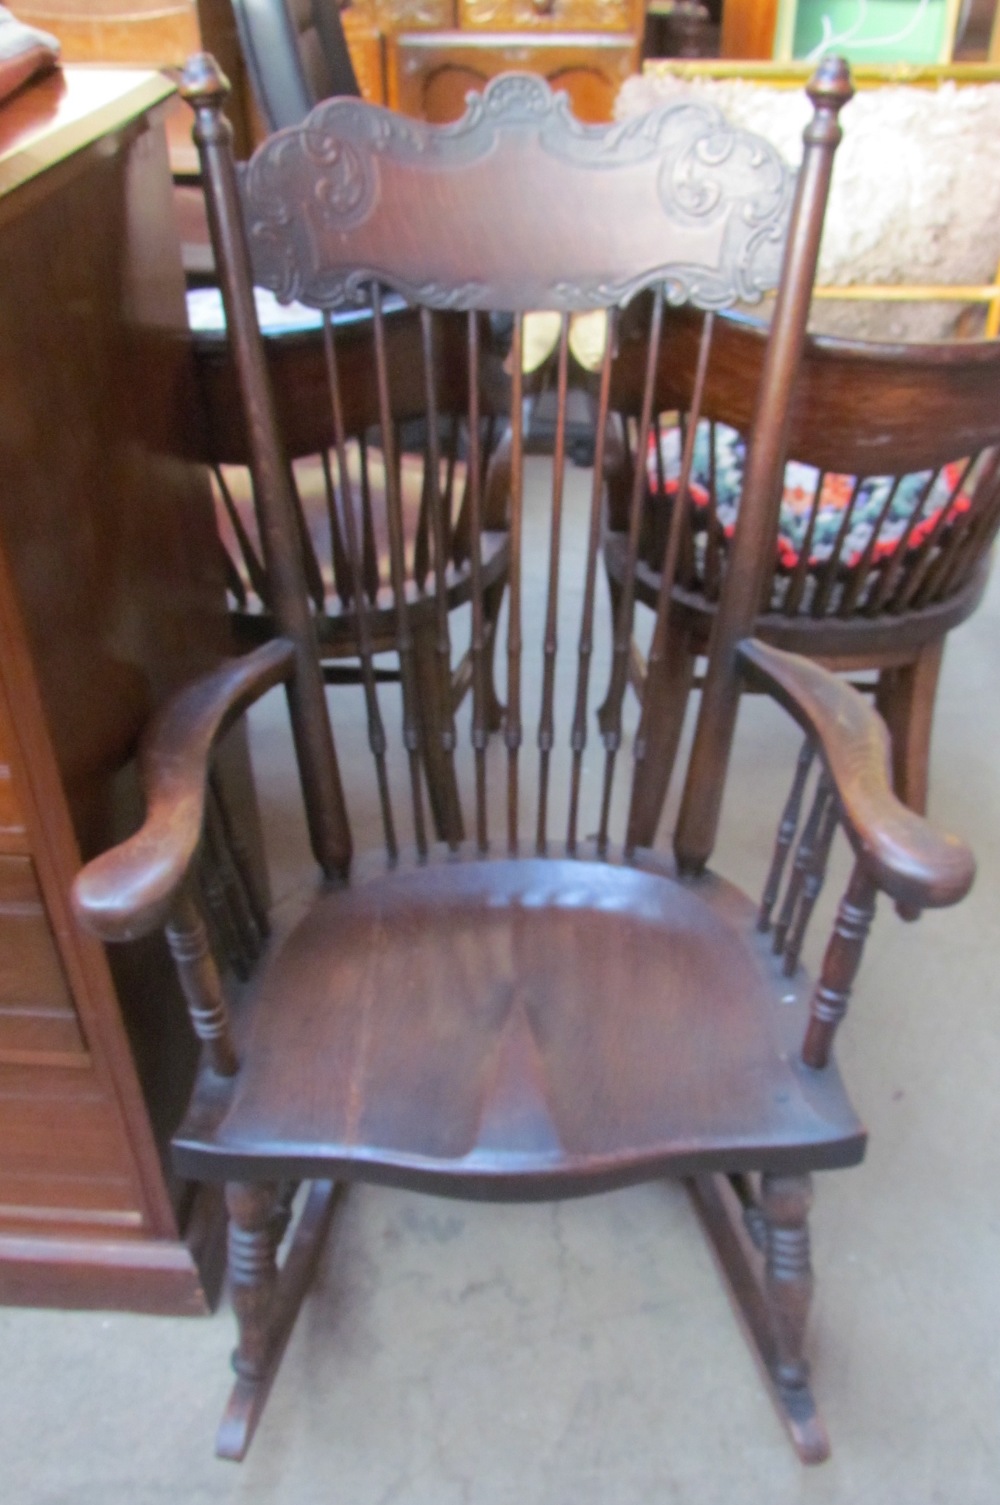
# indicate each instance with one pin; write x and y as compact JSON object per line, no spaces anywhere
{"x":128,"y":891}
{"x":906,"y":857}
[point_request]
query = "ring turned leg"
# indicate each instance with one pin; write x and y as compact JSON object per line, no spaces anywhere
{"x":788,"y":1287}
{"x":252,"y":1272}
{"x":265,"y":1300}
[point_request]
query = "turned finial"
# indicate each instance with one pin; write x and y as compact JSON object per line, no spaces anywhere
{"x":203,"y":82}
{"x":829,"y":89}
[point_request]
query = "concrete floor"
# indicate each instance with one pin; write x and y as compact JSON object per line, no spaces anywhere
{"x":585,"y":1354}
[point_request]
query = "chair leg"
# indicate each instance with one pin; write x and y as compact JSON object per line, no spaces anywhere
{"x":434,"y":710}
{"x":788,"y":1286}
{"x":266,"y":1301}
{"x":636,"y":661}
{"x":905,"y":698}
{"x":770,"y":1295}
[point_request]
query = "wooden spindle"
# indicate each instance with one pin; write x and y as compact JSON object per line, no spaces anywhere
{"x":893,"y":566}
{"x":858,"y":578}
{"x":412,"y":736}
{"x":474,"y":481}
{"x":342,"y":582}
{"x":512,"y":731}
{"x":668,"y":572}
{"x":376,"y":726}
{"x":713,"y":531}
{"x":968,"y":538}
{"x":803,"y":859}
{"x":438,"y":530}
{"x":786,"y":835}
{"x":831,"y":569}
{"x":800,"y":574}
{"x":912,"y":592}
{"x":812,"y":885}
{"x":546,"y":725}
{"x":978,"y":541}
{"x":310,"y":562}
{"x":232,"y":832}
{"x":840,"y":965}
{"x":256,"y":573}
{"x":612,"y":715}
{"x":369,"y":543}
{"x":585,"y":647}
{"x":201,"y":984}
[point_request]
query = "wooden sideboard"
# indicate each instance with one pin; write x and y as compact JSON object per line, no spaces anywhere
{"x":110,"y":596}
{"x":439,"y":50}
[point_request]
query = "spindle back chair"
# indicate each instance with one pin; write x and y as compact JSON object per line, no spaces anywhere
{"x":547,"y":1010}
{"x":891,"y":505}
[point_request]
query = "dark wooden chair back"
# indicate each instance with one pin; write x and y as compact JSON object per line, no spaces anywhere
{"x":885,"y":542}
{"x":858,"y":410}
{"x":296,"y":54}
{"x":517,"y":208}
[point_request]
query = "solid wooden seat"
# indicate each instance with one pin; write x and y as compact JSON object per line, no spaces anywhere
{"x":547,"y":1008}
{"x":453,"y":1019}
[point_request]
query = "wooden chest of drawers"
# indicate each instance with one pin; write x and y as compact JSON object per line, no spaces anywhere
{"x":110,"y":596}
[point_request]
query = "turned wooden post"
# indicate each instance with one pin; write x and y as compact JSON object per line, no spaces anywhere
{"x":252,"y":1272}
{"x":840,"y":965}
{"x":785,"y":1203}
{"x":205,"y":88}
{"x":201,"y":984}
{"x":751,"y":560}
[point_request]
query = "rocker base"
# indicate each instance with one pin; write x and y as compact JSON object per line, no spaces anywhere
{"x":723,"y":1225}
{"x":249,"y":1397}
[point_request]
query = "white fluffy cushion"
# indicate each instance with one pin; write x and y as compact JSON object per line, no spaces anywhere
{"x":916,"y":188}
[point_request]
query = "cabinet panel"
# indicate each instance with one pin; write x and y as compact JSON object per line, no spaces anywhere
{"x":430,"y":76}
{"x":556,"y":15}
{"x":36,"y":1009}
{"x":57,"y":1122}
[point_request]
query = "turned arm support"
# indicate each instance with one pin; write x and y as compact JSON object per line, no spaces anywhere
{"x":135,"y":887}
{"x":901,"y":852}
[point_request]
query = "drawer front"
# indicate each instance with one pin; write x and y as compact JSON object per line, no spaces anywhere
{"x":554,"y":15}
{"x":37,"y":1017}
{"x":63,"y":1157}
{"x":430,"y":77}
{"x":406,"y":15}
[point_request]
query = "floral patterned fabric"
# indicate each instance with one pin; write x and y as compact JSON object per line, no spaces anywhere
{"x":892,"y":511}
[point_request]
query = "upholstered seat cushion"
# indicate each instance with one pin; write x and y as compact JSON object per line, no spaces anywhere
{"x":549,"y":1019}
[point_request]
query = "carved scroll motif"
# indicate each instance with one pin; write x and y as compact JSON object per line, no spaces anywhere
{"x":596,"y":212}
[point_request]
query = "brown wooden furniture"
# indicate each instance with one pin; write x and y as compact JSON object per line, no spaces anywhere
{"x":110,"y":596}
{"x":431,"y":72}
{"x":857,"y":410}
{"x":298,"y":375}
{"x":536,"y":1013}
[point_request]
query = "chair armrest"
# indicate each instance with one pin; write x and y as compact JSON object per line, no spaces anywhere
{"x":128,"y":891}
{"x":907,"y":858}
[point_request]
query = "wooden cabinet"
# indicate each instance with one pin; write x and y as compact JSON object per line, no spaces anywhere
{"x":438,"y":50}
{"x":110,"y":596}
{"x":430,"y":73}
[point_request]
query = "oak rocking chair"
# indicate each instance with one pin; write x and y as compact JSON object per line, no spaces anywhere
{"x":533,"y":1014}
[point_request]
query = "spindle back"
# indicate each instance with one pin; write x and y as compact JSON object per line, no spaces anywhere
{"x":515,"y":208}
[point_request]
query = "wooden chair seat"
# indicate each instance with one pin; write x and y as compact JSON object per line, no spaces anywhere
{"x":448,"y":1024}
